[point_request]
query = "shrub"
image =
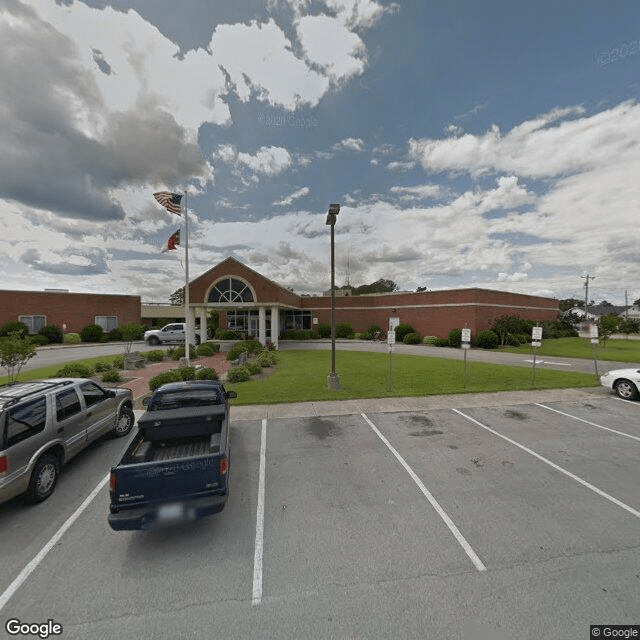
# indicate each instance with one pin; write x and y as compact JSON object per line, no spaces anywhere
{"x":111,"y":376}
{"x":324,"y":330}
{"x":131,"y":331}
{"x":267,"y":358}
{"x":225,"y":334}
{"x":101,"y":366}
{"x":179,"y":352}
{"x":207,"y":349}
{"x":51,"y":333}
{"x":254,"y":367}
{"x":455,"y":337}
{"x":412,"y":338}
{"x":118,"y":362}
{"x":115,"y":335}
{"x":91,"y":333}
{"x":344,"y":330}
{"x":248,"y":346}
{"x":441,"y":342}
{"x":187,"y":373}
{"x":430,"y":340}
{"x":71,"y":338}
{"x":296,"y":334}
{"x":238,"y":374}
{"x":402,"y":330}
{"x":12,"y":327}
{"x":156,"y":355}
{"x":163,"y":378}
{"x":38,"y":340}
{"x":206,"y":373}
{"x":487,"y":339}
{"x":75,"y":370}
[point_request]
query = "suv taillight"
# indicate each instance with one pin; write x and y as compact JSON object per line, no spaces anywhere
{"x":224,"y":466}
{"x":112,"y":483}
{"x":3,"y":464}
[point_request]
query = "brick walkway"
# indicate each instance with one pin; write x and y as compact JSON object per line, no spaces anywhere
{"x":139,"y":384}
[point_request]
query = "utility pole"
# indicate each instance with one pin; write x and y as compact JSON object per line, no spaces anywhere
{"x":586,"y":293}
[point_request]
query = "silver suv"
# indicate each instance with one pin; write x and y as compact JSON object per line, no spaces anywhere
{"x":44,"y":423}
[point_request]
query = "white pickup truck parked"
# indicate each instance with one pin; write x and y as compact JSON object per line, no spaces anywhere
{"x":174,"y":332}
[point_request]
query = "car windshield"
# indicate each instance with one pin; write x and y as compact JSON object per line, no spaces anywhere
{"x":184,"y":398}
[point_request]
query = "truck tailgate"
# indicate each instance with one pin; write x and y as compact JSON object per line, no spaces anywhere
{"x":177,"y":472}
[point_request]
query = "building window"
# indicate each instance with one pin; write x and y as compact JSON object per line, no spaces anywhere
{"x":108,"y":323}
{"x":34,"y":323}
{"x":230,"y":290}
{"x":295,"y":320}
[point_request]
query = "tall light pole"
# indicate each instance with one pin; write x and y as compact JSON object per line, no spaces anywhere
{"x":333,"y":380}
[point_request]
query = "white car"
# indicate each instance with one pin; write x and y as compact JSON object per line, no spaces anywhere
{"x":625,"y":382}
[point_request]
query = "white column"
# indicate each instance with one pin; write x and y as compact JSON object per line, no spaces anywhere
{"x":275,"y":326}
{"x":262,"y":326}
{"x":202,"y":313}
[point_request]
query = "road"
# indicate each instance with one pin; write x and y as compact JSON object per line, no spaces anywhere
{"x":52,"y":355}
{"x":453,"y":518}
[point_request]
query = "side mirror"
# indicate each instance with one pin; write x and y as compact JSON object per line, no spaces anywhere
{"x":231,"y":394}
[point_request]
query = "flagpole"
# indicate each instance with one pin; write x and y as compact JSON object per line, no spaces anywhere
{"x":187,"y":336}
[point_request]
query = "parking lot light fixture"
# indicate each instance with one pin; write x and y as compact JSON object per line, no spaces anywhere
{"x":333,"y":380}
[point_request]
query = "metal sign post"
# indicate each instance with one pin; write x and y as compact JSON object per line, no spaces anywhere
{"x":593,"y":333}
{"x":465,"y":344}
{"x":536,"y":341}
{"x":391,"y":340}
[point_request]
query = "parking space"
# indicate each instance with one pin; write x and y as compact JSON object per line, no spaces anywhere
{"x":355,"y":532}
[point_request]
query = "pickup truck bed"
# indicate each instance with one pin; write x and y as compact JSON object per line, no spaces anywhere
{"x":175,"y":468}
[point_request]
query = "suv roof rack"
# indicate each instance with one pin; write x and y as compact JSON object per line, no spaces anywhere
{"x":40,"y":386}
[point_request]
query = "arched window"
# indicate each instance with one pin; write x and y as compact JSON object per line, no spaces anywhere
{"x":230,"y":290}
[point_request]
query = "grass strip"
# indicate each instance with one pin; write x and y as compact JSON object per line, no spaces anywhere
{"x":301,"y":376}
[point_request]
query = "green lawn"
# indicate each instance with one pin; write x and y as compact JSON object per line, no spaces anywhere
{"x":302,"y":376}
{"x":48,"y":372}
{"x":614,"y":350}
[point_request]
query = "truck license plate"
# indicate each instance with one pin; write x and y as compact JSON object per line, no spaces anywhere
{"x":170,"y":512}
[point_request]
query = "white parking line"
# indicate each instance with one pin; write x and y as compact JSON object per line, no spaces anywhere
{"x":40,"y":556}
{"x":593,"y":424}
{"x":259,"y":544}
{"x":559,"y":364}
{"x":440,"y":511}
{"x":584,"y":483}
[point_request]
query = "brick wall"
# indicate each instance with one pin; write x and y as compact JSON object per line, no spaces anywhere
{"x":76,"y":310}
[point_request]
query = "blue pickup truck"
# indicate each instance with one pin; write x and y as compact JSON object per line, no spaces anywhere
{"x":177,"y":465}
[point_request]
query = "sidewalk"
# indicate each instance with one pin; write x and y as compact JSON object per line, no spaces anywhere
{"x":139,"y":383}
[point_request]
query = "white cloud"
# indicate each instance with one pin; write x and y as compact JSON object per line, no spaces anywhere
{"x":300,"y":193}
{"x":267,"y":160}
{"x":420,"y":192}
{"x":350,"y":144}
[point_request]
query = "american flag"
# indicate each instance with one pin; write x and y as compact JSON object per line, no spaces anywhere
{"x":170,"y":201}
{"x":172,"y":242}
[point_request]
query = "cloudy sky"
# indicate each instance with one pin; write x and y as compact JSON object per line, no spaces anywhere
{"x":470,"y":143}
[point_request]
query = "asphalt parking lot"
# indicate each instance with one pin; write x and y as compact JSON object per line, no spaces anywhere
{"x":497,"y":516}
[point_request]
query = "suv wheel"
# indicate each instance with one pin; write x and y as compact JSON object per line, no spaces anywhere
{"x":153,"y":340}
{"x":43,"y":479}
{"x":124,"y":423}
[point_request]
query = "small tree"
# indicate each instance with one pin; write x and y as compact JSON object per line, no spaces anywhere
{"x":15,"y":352}
{"x":606,"y":326}
{"x":131,"y":332}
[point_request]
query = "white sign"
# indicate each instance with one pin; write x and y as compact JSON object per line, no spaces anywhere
{"x":315,"y":321}
{"x":593,"y":331}
{"x":536,"y":343}
{"x":393,"y":323}
{"x":465,"y":345}
{"x":466,"y":335}
{"x":391,"y":337}
{"x":536,"y":333}
{"x":594,"y":341}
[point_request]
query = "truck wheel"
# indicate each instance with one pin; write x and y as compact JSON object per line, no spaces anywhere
{"x":153,"y":340}
{"x":43,"y":479}
{"x":124,"y":423}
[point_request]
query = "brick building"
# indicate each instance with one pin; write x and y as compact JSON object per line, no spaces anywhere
{"x":73,"y":310}
{"x":252,"y":304}
{"x":249,"y":302}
